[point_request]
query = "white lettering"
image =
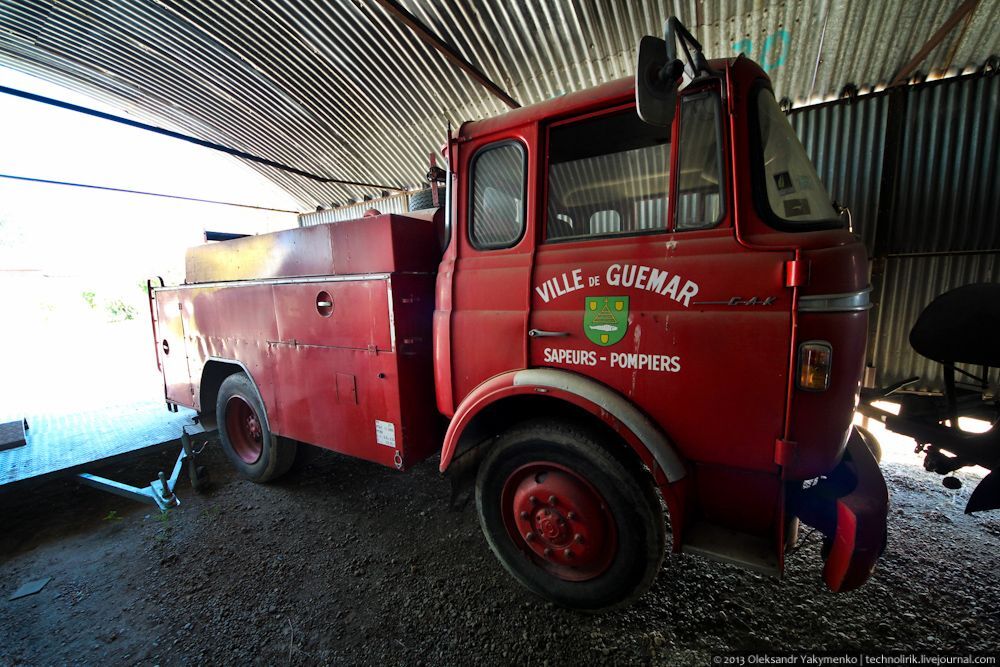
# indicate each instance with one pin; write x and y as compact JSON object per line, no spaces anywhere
{"x":656,"y":280}
{"x":671,"y":288}
{"x":634,"y":276}
{"x":571,"y":357}
{"x":688,"y":291}
{"x":613,"y":274}
{"x":640,"y":278}
{"x":628,"y":275}
{"x":639,"y":362}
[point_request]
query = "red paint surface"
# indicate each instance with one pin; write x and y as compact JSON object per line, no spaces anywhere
{"x":560,"y":520}
{"x":861,"y":518}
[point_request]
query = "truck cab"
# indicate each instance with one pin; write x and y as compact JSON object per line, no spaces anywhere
{"x":689,"y":291}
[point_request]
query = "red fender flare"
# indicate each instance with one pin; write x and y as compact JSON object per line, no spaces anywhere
{"x":640,"y":432}
{"x":612,"y":408}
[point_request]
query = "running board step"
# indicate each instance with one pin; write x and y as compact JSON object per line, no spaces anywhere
{"x":730,"y":546}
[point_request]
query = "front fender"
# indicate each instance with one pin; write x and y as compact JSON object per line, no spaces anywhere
{"x":850,"y":508}
{"x":606,"y":404}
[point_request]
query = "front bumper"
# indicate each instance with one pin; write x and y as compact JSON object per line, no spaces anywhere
{"x":849,"y":506}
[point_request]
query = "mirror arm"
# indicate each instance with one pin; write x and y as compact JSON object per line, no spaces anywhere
{"x":674,"y":31}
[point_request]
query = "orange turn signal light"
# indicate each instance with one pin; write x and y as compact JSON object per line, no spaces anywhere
{"x":815,"y":364}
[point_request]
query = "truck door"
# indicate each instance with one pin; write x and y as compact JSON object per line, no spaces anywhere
{"x":493,"y":266}
{"x":641,"y":283}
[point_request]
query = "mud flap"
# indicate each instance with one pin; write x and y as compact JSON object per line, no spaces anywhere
{"x":849,"y":507}
{"x":986,"y":495}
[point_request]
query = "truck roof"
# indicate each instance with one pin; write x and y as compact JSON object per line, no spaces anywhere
{"x":616,"y":91}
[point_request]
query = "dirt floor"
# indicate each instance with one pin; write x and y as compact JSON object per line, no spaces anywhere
{"x":345,"y":562}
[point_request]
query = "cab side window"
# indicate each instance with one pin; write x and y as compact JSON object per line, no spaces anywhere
{"x":699,"y":178}
{"x":608,"y":176}
{"x":498,"y":194}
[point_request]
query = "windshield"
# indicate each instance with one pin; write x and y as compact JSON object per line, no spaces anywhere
{"x":794,"y":192}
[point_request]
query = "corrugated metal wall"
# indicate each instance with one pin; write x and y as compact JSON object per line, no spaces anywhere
{"x":394,"y":204}
{"x":846,"y":141}
{"x":343,"y":88}
{"x":939,"y":217}
{"x":910,"y":284}
{"x":948,"y":195}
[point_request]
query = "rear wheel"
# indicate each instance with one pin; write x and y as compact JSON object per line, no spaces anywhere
{"x":568,"y":519}
{"x":243,"y":428}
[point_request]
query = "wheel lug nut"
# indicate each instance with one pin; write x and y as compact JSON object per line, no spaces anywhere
{"x":572,"y":516}
{"x":578,"y":538}
{"x":567,"y":553}
{"x":533,"y":500}
{"x":552,"y":500}
{"x":547,"y":551}
{"x":524,"y":515}
{"x":529,"y":536}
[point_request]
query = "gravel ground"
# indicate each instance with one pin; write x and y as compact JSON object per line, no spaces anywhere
{"x":345,"y":562}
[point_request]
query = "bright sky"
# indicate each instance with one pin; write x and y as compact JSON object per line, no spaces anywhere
{"x":73,"y":261}
{"x":73,"y":231}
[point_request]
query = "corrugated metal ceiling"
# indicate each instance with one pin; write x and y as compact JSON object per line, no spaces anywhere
{"x":342,"y":88}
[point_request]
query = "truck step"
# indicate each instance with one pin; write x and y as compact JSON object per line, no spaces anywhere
{"x":731,"y":546}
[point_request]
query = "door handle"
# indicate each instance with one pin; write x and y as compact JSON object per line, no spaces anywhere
{"x":539,"y":333}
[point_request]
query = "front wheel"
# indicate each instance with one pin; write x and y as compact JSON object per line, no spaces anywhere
{"x":246,"y":438}
{"x":567,"y":518}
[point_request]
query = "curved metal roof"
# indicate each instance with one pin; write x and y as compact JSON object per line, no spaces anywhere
{"x":347,"y":88}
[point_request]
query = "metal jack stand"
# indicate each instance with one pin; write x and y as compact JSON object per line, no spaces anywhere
{"x":160,"y":491}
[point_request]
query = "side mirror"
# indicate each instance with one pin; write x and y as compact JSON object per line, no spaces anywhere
{"x":656,"y":82}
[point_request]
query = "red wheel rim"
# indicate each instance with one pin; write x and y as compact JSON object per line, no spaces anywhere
{"x":244,"y":428}
{"x":560,"y":520}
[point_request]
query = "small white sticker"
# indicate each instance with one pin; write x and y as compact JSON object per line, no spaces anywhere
{"x":385,"y":433}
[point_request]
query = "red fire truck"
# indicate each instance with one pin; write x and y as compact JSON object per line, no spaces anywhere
{"x":607,"y":318}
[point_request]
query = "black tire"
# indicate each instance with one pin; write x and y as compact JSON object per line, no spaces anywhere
{"x":613,"y":574}
{"x":255,"y":453}
{"x":424,"y":199}
{"x":872,"y":442}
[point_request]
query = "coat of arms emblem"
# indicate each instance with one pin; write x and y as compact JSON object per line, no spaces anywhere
{"x":605,"y":319}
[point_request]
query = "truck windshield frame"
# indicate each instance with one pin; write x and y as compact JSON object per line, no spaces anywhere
{"x":812,"y":209}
